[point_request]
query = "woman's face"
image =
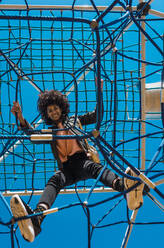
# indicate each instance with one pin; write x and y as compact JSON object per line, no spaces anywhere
{"x":54,"y":112}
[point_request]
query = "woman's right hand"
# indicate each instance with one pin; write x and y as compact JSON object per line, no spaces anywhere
{"x":16,"y":109}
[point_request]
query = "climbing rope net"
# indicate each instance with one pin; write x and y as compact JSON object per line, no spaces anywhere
{"x":66,"y":48}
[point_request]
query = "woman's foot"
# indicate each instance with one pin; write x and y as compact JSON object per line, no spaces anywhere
{"x":135,"y":196}
{"x":30,"y":227}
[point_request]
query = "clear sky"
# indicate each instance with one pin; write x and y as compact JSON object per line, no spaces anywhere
{"x":68,"y":228}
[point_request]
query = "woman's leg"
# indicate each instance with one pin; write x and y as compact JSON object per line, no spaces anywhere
{"x":30,"y":228}
{"x":57,"y":182}
{"x":83,"y":168}
{"x":108,"y":177}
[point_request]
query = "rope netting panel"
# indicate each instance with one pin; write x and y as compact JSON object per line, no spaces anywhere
{"x":48,"y":53}
{"x":66,"y":49}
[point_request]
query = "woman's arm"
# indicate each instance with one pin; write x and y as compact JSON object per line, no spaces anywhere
{"x":16,"y":109}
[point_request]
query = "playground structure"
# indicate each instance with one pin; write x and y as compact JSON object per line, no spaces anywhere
{"x":65,"y":48}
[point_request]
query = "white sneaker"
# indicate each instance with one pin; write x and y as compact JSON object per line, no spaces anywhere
{"x":19,"y":209}
{"x":135,"y":196}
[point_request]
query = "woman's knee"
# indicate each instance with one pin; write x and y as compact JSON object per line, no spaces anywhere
{"x":57,"y":180}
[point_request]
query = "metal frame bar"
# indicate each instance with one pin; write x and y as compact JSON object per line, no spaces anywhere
{"x":64,"y":191}
{"x":57,"y":7}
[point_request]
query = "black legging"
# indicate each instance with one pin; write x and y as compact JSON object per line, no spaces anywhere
{"x":78,"y":167}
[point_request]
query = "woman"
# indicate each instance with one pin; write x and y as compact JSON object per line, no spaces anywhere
{"x":73,"y":160}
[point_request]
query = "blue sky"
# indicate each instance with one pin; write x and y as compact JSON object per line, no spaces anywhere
{"x":68,"y":228}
